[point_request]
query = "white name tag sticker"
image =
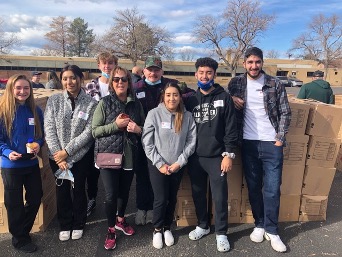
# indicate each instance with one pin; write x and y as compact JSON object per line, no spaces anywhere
{"x":31,"y":121}
{"x":166,"y":125}
{"x":83,"y":115}
{"x":218,"y":103}
{"x":141,"y":95}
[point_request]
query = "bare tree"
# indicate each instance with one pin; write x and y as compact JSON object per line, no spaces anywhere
{"x":7,"y":40}
{"x":187,"y":55}
{"x":232,"y":32}
{"x":58,"y":36}
{"x":322,"y":42}
{"x":272,"y":54}
{"x":134,"y":38}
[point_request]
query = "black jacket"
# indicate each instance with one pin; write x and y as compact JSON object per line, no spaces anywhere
{"x":214,"y":115}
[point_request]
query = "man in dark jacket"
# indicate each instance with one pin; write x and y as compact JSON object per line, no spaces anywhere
{"x":214,"y":114}
{"x":148,"y":91}
{"x":136,"y":74}
{"x":318,"y":89}
{"x":35,"y":80}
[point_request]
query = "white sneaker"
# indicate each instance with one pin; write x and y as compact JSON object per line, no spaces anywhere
{"x":257,"y":235}
{"x":64,"y":235}
{"x":222,"y":243}
{"x":157,"y":240}
{"x":149,"y":216}
{"x":276,"y":242}
{"x":168,"y":238}
{"x":76,"y":234}
{"x":140,"y":217}
{"x":198,"y":233}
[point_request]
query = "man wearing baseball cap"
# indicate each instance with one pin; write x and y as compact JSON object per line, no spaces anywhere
{"x":148,"y":91}
{"x":317,"y":89}
{"x":35,"y":80}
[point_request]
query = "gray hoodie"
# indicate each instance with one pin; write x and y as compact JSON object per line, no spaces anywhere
{"x":162,"y":144}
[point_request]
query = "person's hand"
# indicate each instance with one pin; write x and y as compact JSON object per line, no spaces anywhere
{"x":164,"y":169}
{"x":174,"y":167}
{"x":35,"y":149}
{"x":226,"y":164}
{"x":13,"y":156}
{"x":63,"y":165}
{"x":238,"y":102}
{"x":122,"y":121}
{"x":133,"y":127}
{"x":278,"y":143}
{"x":60,"y":156}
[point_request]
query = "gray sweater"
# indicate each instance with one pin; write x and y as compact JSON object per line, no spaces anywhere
{"x":162,"y":144}
{"x":67,"y":129}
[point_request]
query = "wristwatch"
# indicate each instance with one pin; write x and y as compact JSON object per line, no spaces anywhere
{"x":230,"y":155}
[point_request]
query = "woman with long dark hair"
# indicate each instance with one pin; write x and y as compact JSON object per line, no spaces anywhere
{"x":68,"y":117}
{"x":169,"y":138}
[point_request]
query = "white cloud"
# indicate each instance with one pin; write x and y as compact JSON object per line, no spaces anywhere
{"x":183,"y":38}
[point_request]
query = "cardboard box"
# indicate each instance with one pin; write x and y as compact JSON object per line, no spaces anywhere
{"x":313,"y":208}
{"x":3,"y":218}
{"x":322,"y":151}
{"x":338,"y":99}
{"x":185,"y":211}
{"x":299,"y":117}
{"x":292,"y":179}
{"x":338,"y":164}
{"x":46,"y":213}
{"x":296,"y":149}
{"x":324,"y":119}
{"x":289,"y":208}
{"x":246,"y":209}
{"x":318,"y":180}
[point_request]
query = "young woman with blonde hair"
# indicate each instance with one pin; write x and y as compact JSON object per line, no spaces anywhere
{"x":20,"y":120}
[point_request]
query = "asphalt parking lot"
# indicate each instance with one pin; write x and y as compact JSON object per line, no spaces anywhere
{"x":302,"y":239}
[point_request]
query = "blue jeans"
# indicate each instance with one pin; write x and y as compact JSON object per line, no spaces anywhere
{"x":263,"y":163}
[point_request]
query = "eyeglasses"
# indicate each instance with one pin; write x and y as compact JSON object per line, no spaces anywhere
{"x":117,"y":79}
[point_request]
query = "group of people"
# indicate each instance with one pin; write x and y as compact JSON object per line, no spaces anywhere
{"x":159,"y":128}
{"x":53,"y":82}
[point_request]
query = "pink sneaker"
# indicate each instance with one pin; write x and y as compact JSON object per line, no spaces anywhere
{"x":110,"y":242}
{"x":124,"y":227}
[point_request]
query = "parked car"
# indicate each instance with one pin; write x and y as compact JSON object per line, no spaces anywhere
{"x":285,"y":80}
{"x":296,"y":82}
{"x":3,"y":83}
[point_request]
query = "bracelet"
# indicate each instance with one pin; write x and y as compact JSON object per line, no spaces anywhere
{"x":229,"y":155}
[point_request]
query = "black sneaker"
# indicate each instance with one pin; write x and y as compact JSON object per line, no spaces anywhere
{"x":28,"y":248}
{"x":91,"y":206}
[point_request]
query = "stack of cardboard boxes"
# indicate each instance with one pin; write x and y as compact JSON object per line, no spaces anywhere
{"x":308,"y":171}
{"x":47,"y":210}
{"x":338,"y":165}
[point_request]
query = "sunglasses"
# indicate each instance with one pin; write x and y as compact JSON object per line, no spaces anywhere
{"x":93,"y":86}
{"x":117,"y":79}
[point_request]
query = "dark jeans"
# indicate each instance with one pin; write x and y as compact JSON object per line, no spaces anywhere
{"x":165,"y":188}
{"x":199,"y":169}
{"x":144,"y":191}
{"x":92,"y":178}
{"x":72,"y":204}
{"x":262,"y":164}
{"x":21,"y":217}
{"x":117,"y":184}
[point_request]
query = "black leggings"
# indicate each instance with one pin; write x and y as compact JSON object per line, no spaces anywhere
{"x":117,"y":184}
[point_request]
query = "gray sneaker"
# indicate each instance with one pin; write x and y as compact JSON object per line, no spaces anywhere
{"x":140,"y":217}
{"x":149,"y":216}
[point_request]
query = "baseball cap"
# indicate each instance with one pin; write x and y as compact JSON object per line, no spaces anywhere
{"x":36,"y":73}
{"x":318,"y":73}
{"x":153,"y":61}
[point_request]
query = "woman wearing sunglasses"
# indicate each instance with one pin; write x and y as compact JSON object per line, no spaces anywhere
{"x":117,"y":127}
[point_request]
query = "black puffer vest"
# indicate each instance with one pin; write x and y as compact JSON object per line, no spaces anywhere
{"x":113,"y":107}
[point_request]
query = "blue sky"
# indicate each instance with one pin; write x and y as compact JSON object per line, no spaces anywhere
{"x":31,"y":19}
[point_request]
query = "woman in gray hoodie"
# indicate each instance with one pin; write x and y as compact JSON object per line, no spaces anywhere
{"x":169,"y":138}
